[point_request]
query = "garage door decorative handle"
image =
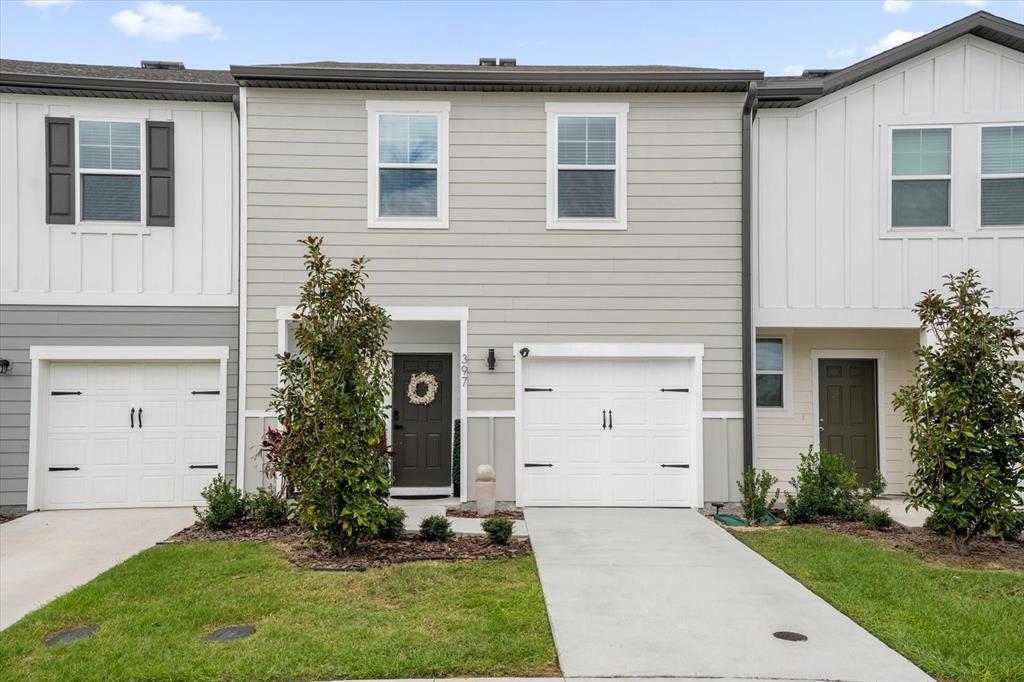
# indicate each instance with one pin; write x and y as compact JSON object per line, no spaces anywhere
{"x":63,"y":468}
{"x":675,"y":466}
{"x":205,"y":392}
{"x":65,"y":393}
{"x":609,"y":419}
{"x":133,"y":418}
{"x":604,"y":417}
{"x":202,"y":466}
{"x":140,"y":417}
{"x":675,"y":390}
{"x":534,"y":464}
{"x":536,"y":390}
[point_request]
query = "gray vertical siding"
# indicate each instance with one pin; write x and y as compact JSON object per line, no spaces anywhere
{"x":24,"y":326}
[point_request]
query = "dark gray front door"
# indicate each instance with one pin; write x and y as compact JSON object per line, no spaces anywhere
{"x":422,"y":434}
{"x":848,"y":412}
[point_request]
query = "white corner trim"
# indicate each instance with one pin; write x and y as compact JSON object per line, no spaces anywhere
{"x":838,"y":354}
{"x":620,"y":111}
{"x":243,"y":281}
{"x":128,"y":353}
{"x":374,"y":109}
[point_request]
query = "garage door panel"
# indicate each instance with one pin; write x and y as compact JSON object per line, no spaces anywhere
{"x":110,"y":452}
{"x":544,"y":448}
{"x":160,"y":377}
{"x":201,"y":451}
{"x":68,"y":452}
{"x":630,"y":489}
{"x":110,"y":490}
{"x":668,"y":488}
{"x":582,"y":411}
{"x":202,"y":377}
{"x":579,"y":450}
{"x":68,"y":377}
{"x":192,"y":487}
{"x":67,"y":488}
{"x":630,"y":448}
{"x":157,"y":451}
{"x":163,"y":414}
{"x":198,"y":415}
{"x":110,"y":414}
{"x":583,"y":488}
{"x":108,"y":377}
{"x":543,"y":410}
{"x":671,"y":411}
{"x":672,"y":448}
{"x":155,"y":489}
{"x":68,"y":414}
{"x":629,"y":412}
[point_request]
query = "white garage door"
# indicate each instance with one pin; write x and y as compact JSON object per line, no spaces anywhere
{"x":609,"y":432}
{"x":131,"y":434}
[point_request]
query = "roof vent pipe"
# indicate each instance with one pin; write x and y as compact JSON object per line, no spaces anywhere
{"x":166,"y":66}
{"x":488,"y":61}
{"x":507,"y":61}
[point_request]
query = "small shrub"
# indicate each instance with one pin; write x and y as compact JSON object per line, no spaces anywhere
{"x":936,"y":525}
{"x":754,"y":490}
{"x":392,"y":524}
{"x":498,"y":529}
{"x":877,"y":519}
{"x":268,"y":509}
{"x":225,"y":504}
{"x":436,"y":528}
{"x":826,"y":486}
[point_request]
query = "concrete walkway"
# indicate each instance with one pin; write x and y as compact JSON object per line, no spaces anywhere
{"x":897,"y":508}
{"x":667,"y":593}
{"x":45,"y":554}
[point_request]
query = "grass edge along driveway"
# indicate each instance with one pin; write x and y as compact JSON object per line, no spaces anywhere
{"x":472,"y":618}
{"x":956,"y":624}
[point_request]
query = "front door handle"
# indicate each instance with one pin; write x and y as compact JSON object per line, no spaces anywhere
{"x":133,"y":418}
{"x":397,"y":427}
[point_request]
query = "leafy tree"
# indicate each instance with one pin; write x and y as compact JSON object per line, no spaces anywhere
{"x":965,"y":408}
{"x":329,"y":402}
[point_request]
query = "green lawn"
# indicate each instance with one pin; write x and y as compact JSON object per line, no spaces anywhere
{"x":474,"y":618}
{"x":955,"y":624}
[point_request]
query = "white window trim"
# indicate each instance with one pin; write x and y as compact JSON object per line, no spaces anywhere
{"x":786,"y":373}
{"x":374,"y":109}
{"x":556,"y":109}
{"x":993,"y":176}
{"x":110,"y":226}
{"x":890,"y":178}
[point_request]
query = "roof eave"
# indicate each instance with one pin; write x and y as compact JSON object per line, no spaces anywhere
{"x":116,"y":87}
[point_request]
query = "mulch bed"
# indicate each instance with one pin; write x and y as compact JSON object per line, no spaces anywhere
{"x":4,"y":518}
{"x":515,"y":515}
{"x":305,"y":551}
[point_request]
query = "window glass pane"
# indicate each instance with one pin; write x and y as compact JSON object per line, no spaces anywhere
{"x":1002,"y":201}
{"x":124,"y":134}
{"x":601,"y":153}
{"x":408,"y":138}
{"x":394,"y":139}
{"x":1002,"y":149}
{"x":90,"y":156}
{"x":601,"y":128}
{"x":769,"y":390}
{"x":111,"y":197}
{"x":572,"y":128}
{"x":106,"y":145}
{"x":124,"y":158}
{"x":572,"y":152}
{"x":422,"y":139}
{"x":586,"y":194}
{"x":921,"y":151}
{"x":769,"y":354}
{"x":408,"y":192}
{"x":94,"y":133}
{"x":586,"y":140}
{"x":920,"y":203}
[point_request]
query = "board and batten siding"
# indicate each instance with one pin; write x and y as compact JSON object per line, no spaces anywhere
{"x":672,"y":276}
{"x":25,"y":326}
{"x":824,"y":248}
{"x":194,"y":262}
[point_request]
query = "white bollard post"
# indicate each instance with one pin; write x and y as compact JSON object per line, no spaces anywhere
{"x":484,"y":490}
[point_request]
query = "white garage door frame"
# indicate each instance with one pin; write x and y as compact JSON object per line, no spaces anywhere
{"x":42,"y":357}
{"x":691,"y":351}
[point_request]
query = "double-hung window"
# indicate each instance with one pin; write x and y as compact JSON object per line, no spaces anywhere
{"x":1002,"y":176}
{"x":586,"y":166}
{"x":769,"y":370}
{"x":408,"y":164}
{"x":110,"y":170}
{"x":921,"y":177}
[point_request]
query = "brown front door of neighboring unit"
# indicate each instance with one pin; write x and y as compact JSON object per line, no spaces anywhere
{"x":422,"y":434}
{"x":848,"y":412}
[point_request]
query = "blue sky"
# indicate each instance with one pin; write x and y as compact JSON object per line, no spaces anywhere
{"x":779,"y":37}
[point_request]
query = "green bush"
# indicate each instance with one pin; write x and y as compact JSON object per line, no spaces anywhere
{"x":436,"y":528}
{"x":754,"y":490}
{"x":393,"y":524}
{"x":826,"y":486}
{"x":877,"y":519}
{"x":498,"y":529}
{"x":333,"y":448}
{"x":225,"y":504}
{"x":267,"y":509}
{"x":965,"y":408}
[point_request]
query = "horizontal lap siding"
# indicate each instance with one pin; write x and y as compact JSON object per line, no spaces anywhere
{"x":673,"y":276}
{"x":25,"y":326}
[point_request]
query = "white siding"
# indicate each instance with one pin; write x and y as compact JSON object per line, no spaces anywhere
{"x":825,"y":254}
{"x":192,"y":263}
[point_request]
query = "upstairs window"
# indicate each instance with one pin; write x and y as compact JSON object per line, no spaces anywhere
{"x":769,"y":371}
{"x":110,"y":166}
{"x":1002,"y":176}
{"x":408,"y":165}
{"x":587,"y":166}
{"x":921,"y":177}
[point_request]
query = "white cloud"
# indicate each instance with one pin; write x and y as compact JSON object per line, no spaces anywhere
{"x":793,"y":70}
{"x":891,"y":40}
{"x":843,"y":53}
{"x":968,"y":3}
{"x":44,"y":4}
{"x":896,"y":6}
{"x":164,"y":22}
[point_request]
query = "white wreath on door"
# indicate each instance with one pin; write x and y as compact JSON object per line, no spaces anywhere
{"x":423,"y":379}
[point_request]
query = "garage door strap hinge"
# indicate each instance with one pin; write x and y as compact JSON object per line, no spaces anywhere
{"x":202,"y":466}
{"x":675,"y":390}
{"x":65,"y":393}
{"x":534,"y":464}
{"x":63,"y":468}
{"x":205,"y":392}
{"x":675,"y":466}
{"x":533,"y":390}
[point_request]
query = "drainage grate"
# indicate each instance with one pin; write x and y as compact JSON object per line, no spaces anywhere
{"x":70,"y":635}
{"x":790,"y":636}
{"x":230,"y":634}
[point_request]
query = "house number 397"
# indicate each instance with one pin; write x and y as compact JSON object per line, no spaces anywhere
{"x":464,"y":369}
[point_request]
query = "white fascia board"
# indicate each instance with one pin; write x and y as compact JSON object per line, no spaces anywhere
{"x":612,"y":350}
{"x":129,"y":353}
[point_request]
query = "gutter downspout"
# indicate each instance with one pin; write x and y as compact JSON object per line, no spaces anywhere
{"x":749,"y":111}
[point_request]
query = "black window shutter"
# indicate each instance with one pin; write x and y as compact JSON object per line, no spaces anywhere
{"x":160,"y":173}
{"x":60,"y":171}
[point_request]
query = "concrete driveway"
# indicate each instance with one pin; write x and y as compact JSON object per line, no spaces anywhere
{"x":45,"y":554}
{"x":667,"y":593}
